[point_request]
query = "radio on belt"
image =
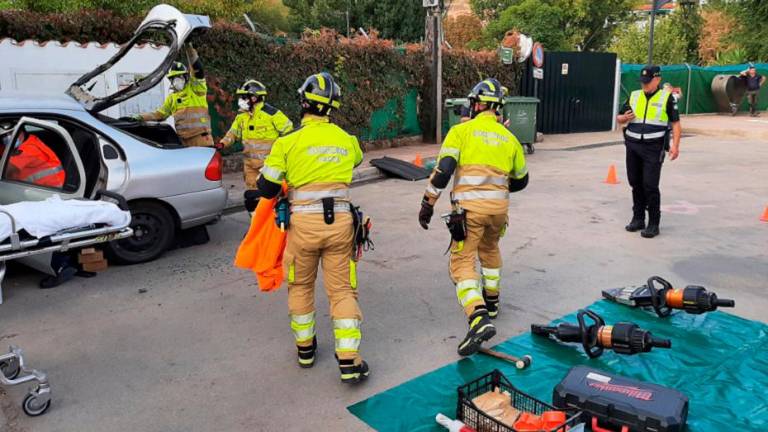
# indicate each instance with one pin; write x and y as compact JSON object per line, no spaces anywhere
{"x":622,"y":404}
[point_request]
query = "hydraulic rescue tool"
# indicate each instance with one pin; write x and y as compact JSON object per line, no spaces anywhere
{"x":663,"y":298}
{"x":623,"y":338}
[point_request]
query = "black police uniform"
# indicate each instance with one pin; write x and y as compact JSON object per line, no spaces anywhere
{"x":644,"y":160}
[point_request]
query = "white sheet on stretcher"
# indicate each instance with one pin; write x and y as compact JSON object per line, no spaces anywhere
{"x":42,"y":218}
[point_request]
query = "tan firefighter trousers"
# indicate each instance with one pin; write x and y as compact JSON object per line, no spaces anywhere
{"x":483,"y":234}
{"x":311,"y":242}
{"x":251,"y":171}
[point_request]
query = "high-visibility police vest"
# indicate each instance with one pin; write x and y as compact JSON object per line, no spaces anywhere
{"x":258,"y":130}
{"x":487,"y":155}
{"x":651,"y":121}
{"x":189,"y":108}
{"x":317,"y":161}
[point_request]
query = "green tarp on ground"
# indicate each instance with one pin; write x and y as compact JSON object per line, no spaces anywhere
{"x":697,"y":97}
{"x":718,"y":360}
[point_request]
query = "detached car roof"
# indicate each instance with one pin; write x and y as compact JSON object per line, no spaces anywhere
{"x":18,"y":101}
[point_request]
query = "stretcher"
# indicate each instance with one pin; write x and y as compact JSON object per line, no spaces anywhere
{"x":18,"y":246}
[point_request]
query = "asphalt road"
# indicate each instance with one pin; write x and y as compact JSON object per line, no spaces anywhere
{"x":203,"y":350}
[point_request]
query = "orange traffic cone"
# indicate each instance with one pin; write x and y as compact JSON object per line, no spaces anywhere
{"x":611,"y":179}
{"x":764,"y":218}
{"x":418,"y":162}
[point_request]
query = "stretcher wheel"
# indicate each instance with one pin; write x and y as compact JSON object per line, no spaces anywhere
{"x":11,"y":370}
{"x":32,"y":406}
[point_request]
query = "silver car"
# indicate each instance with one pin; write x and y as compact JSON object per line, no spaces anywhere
{"x":169,"y":188}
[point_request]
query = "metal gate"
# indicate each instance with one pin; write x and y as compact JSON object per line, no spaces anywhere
{"x":577,"y":92}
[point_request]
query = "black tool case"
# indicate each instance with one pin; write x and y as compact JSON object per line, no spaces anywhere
{"x":622,"y":404}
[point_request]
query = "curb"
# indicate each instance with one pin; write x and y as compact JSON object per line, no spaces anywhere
{"x":360,"y":176}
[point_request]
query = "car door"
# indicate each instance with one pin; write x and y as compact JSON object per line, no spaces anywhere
{"x":38,"y":161}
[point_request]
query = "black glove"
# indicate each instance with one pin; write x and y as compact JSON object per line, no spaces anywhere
{"x":425,"y":214}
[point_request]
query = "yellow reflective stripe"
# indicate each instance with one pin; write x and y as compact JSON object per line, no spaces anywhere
{"x":272,"y":174}
{"x":317,"y":98}
{"x":303,"y":327}
{"x":317,"y":195}
{"x":480,"y":195}
{"x":353,"y":274}
{"x":347,"y":334}
{"x":490,"y":85}
{"x":468,"y":291}
{"x":475,"y":322}
{"x":320,"y":81}
{"x":491,"y":278}
{"x":291,"y":272}
{"x":481,"y":180}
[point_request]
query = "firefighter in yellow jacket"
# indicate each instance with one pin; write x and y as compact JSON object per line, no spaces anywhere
{"x":489,"y":164}
{"x":317,"y":160}
{"x":187,"y":103}
{"x":257,"y":126}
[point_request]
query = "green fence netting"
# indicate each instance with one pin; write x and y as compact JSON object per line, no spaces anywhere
{"x":718,"y":360}
{"x":697,"y":97}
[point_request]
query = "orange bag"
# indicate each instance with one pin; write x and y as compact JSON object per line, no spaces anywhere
{"x":262,"y":248}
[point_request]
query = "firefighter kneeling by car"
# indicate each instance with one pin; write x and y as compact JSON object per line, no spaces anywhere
{"x":317,"y":161}
{"x":489,"y":163}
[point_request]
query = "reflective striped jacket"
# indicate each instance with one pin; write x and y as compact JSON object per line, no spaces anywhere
{"x":651,"y":121}
{"x":486,"y":155}
{"x":189,"y":108}
{"x":257,"y":130}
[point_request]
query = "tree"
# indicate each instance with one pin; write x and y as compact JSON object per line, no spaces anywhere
{"x":752,"y":33}
{"x":490,"y":9}
{"x":462,"y":30}
{"x":670,"y":47}
{"x":690,"y":22}
{"x":394,"y":19}
{"x":585,"y":25}
{"x":716,"y":30}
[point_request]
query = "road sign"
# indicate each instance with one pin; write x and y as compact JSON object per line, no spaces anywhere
{"x":538,"y":73}
{"x":507,"y":55}
{"x":538,"y":55}
{"x":659,"y":3}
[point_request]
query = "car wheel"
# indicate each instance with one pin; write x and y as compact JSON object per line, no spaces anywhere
{"x":153,"y":233}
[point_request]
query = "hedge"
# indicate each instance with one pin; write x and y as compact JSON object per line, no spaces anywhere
{"x":373,"y":73}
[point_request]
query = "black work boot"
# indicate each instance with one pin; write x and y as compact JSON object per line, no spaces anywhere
{"x":650,"y":232}
{"x":492,"y":304}
{"x":636,"y":224}
{"x":480,"y":330}
{"x":307,"y":354}
{"x":352,"y":373}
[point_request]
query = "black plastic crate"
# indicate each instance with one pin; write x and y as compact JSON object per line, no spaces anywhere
{"x":467,"y":412}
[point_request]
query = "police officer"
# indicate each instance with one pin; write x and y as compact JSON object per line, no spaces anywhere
{"x":651,"y":114}
{"x":258,"y":125}
{"x":489,"y":163}
{"x":317,"y":161}
{"x":187,"y":103}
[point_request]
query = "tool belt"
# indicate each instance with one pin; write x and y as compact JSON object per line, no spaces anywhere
{"x":361,"y":229}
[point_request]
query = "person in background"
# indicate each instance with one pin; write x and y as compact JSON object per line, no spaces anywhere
{"x":257,"y":126}
{"x":188,"y":103}
{"x":754,"y":81}
{"x":651,"y":114}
